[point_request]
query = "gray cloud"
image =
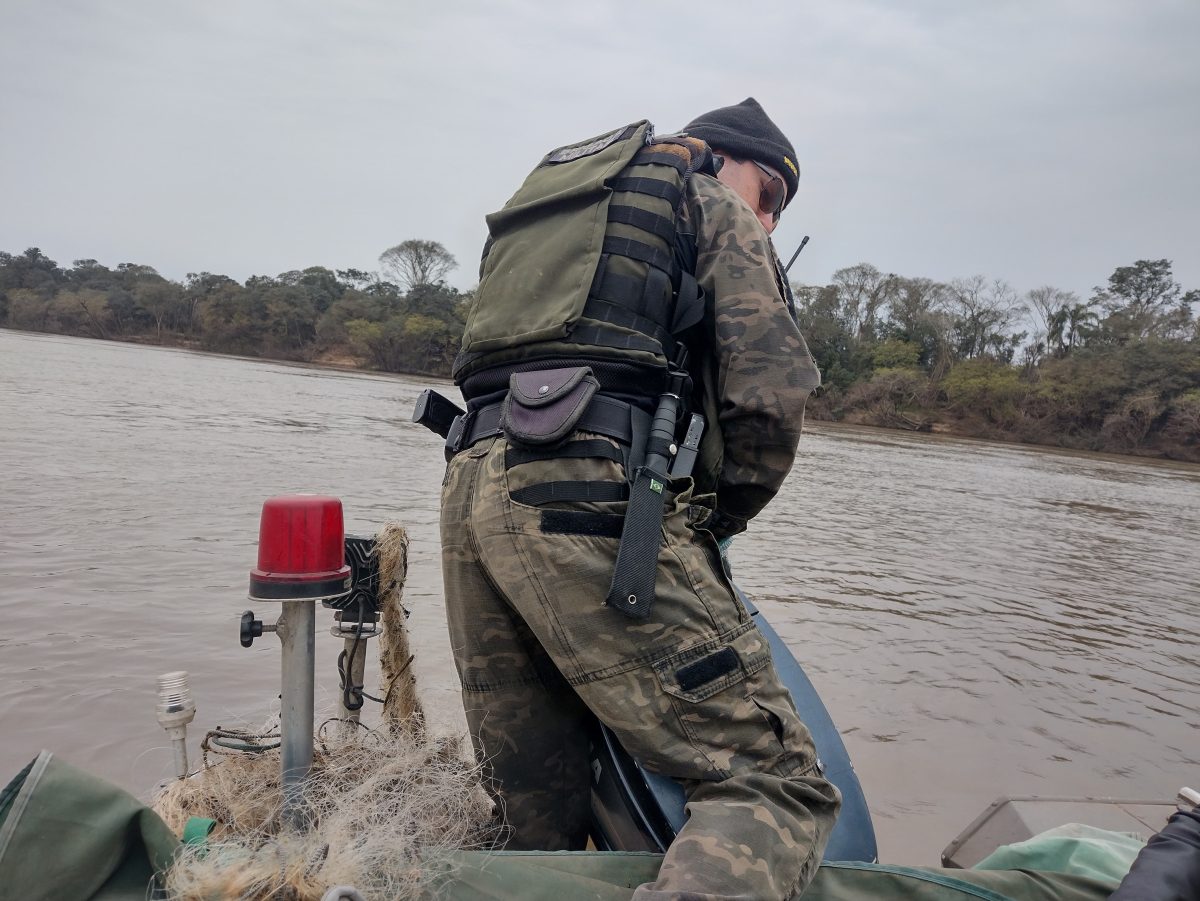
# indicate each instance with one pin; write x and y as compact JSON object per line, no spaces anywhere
{"x":1041,"y":143}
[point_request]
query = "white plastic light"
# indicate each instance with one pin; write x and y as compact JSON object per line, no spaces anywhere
{"x":175,"y":710}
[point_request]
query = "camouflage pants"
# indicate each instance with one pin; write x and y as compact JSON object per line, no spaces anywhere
{"x":691,"y":692}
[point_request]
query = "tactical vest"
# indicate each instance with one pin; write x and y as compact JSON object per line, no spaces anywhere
{"x":586,"y":264}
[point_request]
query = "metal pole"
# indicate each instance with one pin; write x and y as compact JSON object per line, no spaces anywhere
{"x":356,"y":672}
{"x":297,"y":632}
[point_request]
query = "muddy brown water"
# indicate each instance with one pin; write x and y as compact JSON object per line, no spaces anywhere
{"x":980,"y":619}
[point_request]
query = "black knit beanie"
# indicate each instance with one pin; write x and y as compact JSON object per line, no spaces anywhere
{"x":747,"y":132}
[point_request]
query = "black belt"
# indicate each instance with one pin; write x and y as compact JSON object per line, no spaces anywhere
{"x":604,"y":416}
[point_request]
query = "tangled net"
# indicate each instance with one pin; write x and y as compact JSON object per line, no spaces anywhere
{"x":385,"y":809}
{"x":385,"y":806}
{"x":401,"y":703}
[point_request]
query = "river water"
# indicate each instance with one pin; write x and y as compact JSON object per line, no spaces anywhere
{"x":981,"y":619}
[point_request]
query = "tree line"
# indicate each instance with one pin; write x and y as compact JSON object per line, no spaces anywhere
{"x":1118,"y":371}
{"x":401,"y":319}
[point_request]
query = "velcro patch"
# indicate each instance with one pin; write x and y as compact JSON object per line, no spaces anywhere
{"x":578,"y":151}
{"x":581,"y":522}
{"x":706,"y":669}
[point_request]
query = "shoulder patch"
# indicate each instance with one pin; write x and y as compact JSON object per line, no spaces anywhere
{"x":578,"y":151}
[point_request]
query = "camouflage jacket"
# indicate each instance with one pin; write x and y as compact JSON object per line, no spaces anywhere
{"x":755,"y":374}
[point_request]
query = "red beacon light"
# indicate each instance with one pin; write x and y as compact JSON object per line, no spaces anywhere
{"x":301,"y":550}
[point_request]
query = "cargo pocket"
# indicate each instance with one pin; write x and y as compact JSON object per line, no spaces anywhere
{"x":712,"y":688}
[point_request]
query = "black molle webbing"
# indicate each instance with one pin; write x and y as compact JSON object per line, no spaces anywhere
{"x":615,"y":287}
{"x":590,"y":448}
{"x":649,"y":296}
{"x":636,"y":250}
{"x":602,"y":336}
{"x":618,"y":314}
{"x":706,"y":669}
{"x":656,"y":295}
{"x":651,"y":187}
{"x":570,"y":492}
{"x":659,"y":226}
{"x":580,"y":522}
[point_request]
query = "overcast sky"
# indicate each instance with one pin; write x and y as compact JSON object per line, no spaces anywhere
{"x":1043,"y":141}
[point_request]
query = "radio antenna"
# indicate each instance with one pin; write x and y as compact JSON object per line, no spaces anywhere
{"x":796,"y":254}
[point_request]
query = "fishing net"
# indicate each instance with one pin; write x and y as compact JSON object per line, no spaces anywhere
{"x":401,"y":703}
{"x":385,"y":807}
{"x":385,"y":810}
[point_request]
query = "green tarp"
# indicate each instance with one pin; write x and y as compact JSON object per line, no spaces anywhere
{"x":65,"y":834}
{"x":597,"y":876}
{"x":1071,"y":848}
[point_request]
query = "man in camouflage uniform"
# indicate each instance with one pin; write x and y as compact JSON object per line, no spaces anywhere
{"x":539,"y":654}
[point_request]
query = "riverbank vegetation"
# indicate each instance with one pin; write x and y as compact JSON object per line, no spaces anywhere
{"x":401,"y":319}
{"x":1116,"y":371}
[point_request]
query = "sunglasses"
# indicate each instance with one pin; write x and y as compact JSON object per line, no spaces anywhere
{"x":773,"y":194}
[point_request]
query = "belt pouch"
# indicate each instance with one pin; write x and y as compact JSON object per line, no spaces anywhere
{"x":543,"y":407}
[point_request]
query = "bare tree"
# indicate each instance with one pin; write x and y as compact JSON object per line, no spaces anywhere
{"x":914,"y":302}
{"x":1045,"y":303}
{"x":984,"y":313}
{"x":416,"y":262}
{"x":863,"y":291}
